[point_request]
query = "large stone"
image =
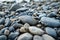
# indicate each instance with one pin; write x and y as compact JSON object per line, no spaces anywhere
{"x":35,"y":30}
{"x":3,"y":37}
{"x":51,"y":22}
{"x":28,"y":19}
{"x":36,"y":37}
{"x":51,"y":31}
{"x":47,"y":37}
{"x":25,"y":36}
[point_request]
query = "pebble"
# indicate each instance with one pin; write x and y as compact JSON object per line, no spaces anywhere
{"x":1,"y":27}
{"x":14,"y":7}
{"x":25,"y":36}
{"x":7,"y":22}
{"x":13,"y":35}
{"x":17,"y":25}
{"x":35,"y":30}
{"x":2,"y":30}
{"x":3,"y":37}
{"x":52,"y":14}
{"x":21,"y":9}
{"x":2,"y":14}
{"x":36,"y":37}
{"x":48,"y":21}
{"x":42,"y":15}
{"x":2,"y":21}
{"x":58,"y":32}
{"x":11,"y":29}
{"x":25,"y":28}
{"x":28,"y":19}
{"x":47,"y":37}
{"x":6,"y":32}
{"x":51,"y":31}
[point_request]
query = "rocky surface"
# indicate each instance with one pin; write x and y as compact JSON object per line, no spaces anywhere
{"x":30,"y":20}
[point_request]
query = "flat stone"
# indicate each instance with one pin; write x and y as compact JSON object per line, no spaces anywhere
{"x":25,"y":36}
{"x":35,"y":30}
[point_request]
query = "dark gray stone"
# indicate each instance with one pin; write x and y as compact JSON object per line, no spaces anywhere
{"x":2,"y":21}
{"x":14,"y":7}
{"x":13,"y":35}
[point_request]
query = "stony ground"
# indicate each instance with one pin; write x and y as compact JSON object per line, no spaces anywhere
{"x":30,"y":21}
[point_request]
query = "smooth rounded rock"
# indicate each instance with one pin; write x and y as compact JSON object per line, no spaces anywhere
{"x":13,"y":35}
{"x":47,"y":37}
{"x":35,"y":30}
{"x":7,"y":22}
{"x":52,"y":14}
{"x":51,"y":31}
{"x":51,"y":22}
{"x":42,"y":15}
{"x":6,"y":32}
{"x":2,"y":21}
{"x":1,"y":27}
{"x":25,"y":36}
{"x":3,"y":37}
{"x":28,"y":19}
{"x":36,"y":37}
